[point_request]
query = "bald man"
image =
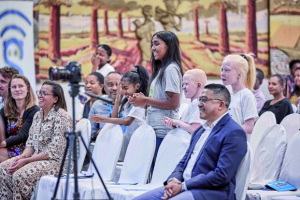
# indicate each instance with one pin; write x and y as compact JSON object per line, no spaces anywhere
{"x":193,"y":83}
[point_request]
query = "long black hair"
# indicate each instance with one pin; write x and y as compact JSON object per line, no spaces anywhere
{"x":172,"y":55}
{"x":138,"y":74}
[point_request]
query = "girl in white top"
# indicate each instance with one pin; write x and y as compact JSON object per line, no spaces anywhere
{"x":239,"y":72}
{"x":134,"y":81}
{"x":193,"y":83}
{"x":101,"y":59}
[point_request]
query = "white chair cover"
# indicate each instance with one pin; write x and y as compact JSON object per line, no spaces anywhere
{"x":269,"y":156}
{"x":109,"y":140}
{"x":171,"y":151}
{"x":289,"y":172}
{"x":46,"y":185}
{"x":265,"y":121}
{"x":107,"y":150}
{"x":291,"y":123}
{"x":139,"y":156}
{"x":243,"y":174}
{"x":84,"y":126}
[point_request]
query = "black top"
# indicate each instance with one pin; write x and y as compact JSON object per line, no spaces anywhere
{"x":280,"y":109}
{"x":22,"y":136}
{"x":86,"y":110}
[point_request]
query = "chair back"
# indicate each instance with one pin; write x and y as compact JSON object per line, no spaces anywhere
{"x":170,"y":152}
{"x":262,"y":124}
{"x":290,"y":167}
{"x":291,"y":123}
{"x":84,"y":126}
{"x":243,"y":174}
{"x":107,"y":150}
{"x":139,"y":156}
{"x":269,"y":155}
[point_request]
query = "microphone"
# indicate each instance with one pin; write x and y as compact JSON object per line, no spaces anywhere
{"x":106,"y":100}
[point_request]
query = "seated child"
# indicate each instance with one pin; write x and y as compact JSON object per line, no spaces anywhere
{"x":134,"y":81}
{"x":193,"y":83}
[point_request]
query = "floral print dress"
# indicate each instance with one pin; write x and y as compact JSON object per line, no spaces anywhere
{"x":13,"y":128}
{"x":47,"y":136}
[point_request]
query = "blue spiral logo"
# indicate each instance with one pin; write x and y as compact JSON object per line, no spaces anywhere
{"x":14,"y":41}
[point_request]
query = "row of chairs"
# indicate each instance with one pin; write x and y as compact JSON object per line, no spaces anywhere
{"x":140,"y":154}
{"x":276,"y":156}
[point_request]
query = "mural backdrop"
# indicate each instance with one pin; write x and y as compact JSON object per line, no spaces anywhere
{"x":284,"y":34}
{"x":207,"y":30}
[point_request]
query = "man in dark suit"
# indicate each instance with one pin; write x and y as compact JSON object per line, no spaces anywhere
{"x":207,"y":170}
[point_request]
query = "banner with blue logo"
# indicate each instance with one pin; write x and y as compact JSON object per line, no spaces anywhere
{"x":16,"y":37}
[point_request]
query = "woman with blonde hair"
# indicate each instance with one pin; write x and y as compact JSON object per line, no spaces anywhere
{"x":20,"y":107}
{"x":239,"y":72}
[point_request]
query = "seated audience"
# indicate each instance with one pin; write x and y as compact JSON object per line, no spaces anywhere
{"x":102,"y":108}
{"x":18,"y":113}
{"x":280,"y":105}
{"x":239,"y":72}
{"x":222,"y":144}
{"x":134,"y":81}
{"x":44,"y":147}
{"x":259,"y":96}
{"x":193,"y":83}
{"x":101,"y":59}
{"x":5,"y":75}
{"x":94,"y":83}
{"x":295,"y":97}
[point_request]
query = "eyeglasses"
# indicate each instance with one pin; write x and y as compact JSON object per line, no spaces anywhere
{"x":205,"y":99}
{"x":14,"y":87}
{"x":42,"y":93}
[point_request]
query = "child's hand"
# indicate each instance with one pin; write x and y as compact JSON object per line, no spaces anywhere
{"x":168,"y":122}
{"x":95,"y":60}
{"x":119,"y":92}
{"x":138,"y":100}
{"x":98,"y":119}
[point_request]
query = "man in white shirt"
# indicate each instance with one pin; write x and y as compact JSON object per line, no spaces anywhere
{"x":207,"y":170}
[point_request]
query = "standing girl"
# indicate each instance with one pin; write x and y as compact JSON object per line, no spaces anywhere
{"x":134,"y":81}
{"x":239,"y":72}
{"x":101,"y":59}
{"x":166,"y":84}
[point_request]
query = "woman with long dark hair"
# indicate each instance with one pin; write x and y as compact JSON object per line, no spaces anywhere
{"x":166,"y":84}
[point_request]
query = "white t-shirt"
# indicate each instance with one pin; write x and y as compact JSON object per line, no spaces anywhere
{"x":106,"y":69}
{"x":243,"y":106}
{"x":192,"y":114}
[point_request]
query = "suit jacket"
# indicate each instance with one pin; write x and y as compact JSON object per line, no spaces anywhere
{"x":213,"y":176}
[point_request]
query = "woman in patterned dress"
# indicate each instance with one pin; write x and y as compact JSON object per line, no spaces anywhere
{"x":18,"y":112}
{"x":44,"y":147}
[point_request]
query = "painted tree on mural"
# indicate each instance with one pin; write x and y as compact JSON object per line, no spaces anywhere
{"x":97,"y":4}
{"x":223,"y":6}
{"x":121,"y":6}
{"x":251,"y":32}
{"x":54,"y":27}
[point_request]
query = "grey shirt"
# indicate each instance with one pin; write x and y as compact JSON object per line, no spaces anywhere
{"x":172,"y":82}
{"x":101,"y":108}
